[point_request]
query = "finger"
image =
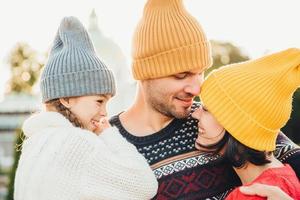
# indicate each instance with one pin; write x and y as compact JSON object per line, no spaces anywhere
{"x":269,"y":191}
{"x":197,"y":146}
{"x":255,"y":189}
{"x":202,"y":149}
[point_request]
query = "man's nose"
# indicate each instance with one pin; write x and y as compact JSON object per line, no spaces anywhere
{"x":193,"y":90}
{"x":194,"y":86}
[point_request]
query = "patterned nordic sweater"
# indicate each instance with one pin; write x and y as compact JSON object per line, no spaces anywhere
{"x":185,"y":174}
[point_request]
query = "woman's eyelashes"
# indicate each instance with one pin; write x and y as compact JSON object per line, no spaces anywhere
{"x":204,"y":108}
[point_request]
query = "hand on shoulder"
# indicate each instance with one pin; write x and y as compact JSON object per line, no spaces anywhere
{"x":268,"y":191}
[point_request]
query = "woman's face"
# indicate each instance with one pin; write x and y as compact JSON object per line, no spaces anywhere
{"x":90,"y":110}
{"x":210,"y":131}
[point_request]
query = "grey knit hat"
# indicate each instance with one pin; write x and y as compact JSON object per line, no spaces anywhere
{"x":73,"y":68}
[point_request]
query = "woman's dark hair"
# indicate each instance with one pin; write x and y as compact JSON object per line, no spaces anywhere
{"x":236,"y":153}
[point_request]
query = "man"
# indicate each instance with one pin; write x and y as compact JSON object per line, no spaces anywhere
{"x":170,"y":54}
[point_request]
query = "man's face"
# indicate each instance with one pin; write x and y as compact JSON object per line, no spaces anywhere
{"x":173,"y":95}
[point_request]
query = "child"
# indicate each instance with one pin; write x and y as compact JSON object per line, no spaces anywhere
{"x":63,"y":158}
{"x":244,"y":106}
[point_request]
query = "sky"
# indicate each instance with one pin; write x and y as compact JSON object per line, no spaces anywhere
{"x":256,"y":26}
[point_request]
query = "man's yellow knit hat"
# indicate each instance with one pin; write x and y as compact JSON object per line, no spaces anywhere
{"x":253,"y":100}
{"x":167,"y":41}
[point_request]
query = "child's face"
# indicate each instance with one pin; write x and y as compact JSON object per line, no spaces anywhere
{"x":90,"y":110}
{"x":210,"y":130}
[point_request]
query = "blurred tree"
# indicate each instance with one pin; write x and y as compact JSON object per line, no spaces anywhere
{"x":25,"y":66}
{"x":224,"y":53}
{"x":19,"y":139}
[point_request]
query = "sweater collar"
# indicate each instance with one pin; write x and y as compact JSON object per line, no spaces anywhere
{"x":42,"y":120}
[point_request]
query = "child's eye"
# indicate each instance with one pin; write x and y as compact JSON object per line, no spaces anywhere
{"x":100,"y":101}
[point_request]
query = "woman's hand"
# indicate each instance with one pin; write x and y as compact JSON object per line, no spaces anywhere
{"x":268,"y":191}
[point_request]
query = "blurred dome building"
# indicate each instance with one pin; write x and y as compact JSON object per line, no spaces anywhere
{"x":114,"y":58}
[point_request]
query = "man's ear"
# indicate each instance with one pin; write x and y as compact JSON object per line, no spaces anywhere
{"x":66,"y":102}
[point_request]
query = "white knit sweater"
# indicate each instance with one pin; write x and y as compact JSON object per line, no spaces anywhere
{"x":61,"y":162}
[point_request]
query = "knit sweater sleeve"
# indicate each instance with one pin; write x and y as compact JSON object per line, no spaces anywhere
{"x":115,"y":170}
{"x":117,"y":143}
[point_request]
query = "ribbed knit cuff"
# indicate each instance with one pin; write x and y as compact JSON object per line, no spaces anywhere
{"x":91,"y":82}
{"x":191,"y":57}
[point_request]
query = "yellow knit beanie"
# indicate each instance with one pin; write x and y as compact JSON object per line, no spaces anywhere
{"x":167,"y":41}
{"x":253,"y":100}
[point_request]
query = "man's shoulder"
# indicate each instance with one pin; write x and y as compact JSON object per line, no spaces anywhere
{"x":288,"y":152}
{"x":115,"y":120}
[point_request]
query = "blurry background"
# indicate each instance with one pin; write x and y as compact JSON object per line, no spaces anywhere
{"x":238,"y":30}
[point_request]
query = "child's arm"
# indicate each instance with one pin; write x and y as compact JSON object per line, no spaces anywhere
{"x":117,"y":171}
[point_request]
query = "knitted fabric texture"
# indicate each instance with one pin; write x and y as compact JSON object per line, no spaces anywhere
{"x":73,"y":68}
{"x":60,"y":161}
{"x":253,"y":100}
{"x":186,"y":173}
{"x":167,"y":41}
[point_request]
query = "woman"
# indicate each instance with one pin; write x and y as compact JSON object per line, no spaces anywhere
{"x":244,"y":107}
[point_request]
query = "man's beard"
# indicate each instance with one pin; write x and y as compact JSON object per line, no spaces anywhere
{"x":168,"y":110}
